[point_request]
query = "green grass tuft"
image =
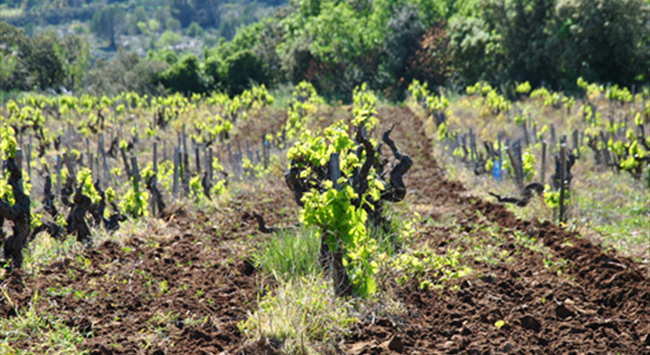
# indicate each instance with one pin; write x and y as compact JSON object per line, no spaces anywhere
{"x":32,"y":332}
{"x":289,"y":254}
{"x":300,"y":315}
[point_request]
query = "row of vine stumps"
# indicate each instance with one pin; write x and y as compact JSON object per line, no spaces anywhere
{"x":473,"y":278}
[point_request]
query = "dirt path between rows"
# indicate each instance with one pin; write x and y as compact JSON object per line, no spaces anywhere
{"x":600,"y":305}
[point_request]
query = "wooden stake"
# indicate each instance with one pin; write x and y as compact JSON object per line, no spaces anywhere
{"x":543,"y":167}
{"x":29,"y":158}
{"x":230,"y":159}
{"x":155,"y":171}
{"x":19,"y":159}
{"x":335,"y":169}
{"x":523,"y":125}
{"x":186,"y":159}
{"x":126,"y":163}
{"x":553,"y":140}
{"x":177,"y":158}
{"x":515,"y":168}
{"x":102,"y":152}
{"x":605,"y":149}
{"x":208,"y":165}
{"x":520,"y":160}
{"x":90,"y":165}
{"x":88,"y":149}
{"x":239,"y":159}
{"x":265,"y":151}
{"x":576,"y":146}
{"x":471,"y":149}
{"x":135,"y":173}
{"x":562,"y":178}
{"x":197,"y":157}
{"x":68,"y":160}
{"x":59,"y":160}
{"x":500,"y":152}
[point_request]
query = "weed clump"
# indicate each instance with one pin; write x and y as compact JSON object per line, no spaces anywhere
{"x":300,"y":316}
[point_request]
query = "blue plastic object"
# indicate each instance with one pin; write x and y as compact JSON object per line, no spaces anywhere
{"x":496,"y":171}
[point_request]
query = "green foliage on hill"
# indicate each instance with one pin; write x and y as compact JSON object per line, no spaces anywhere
{"x":185,"y":76}
{"x":44,"y":61}
{"x":337,"y":45}
{"x":108,"y":23}
{"x":553,"y":42}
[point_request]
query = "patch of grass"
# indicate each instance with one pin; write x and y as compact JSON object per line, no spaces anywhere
{"x":282,"y":95}
{"x":44,"y":249}
{"x":301,"y":315}
{"x":429,"y":270}
{"x":32,"y":332}
{"x":616,"y":211}
{"x":392,"y":238}
{"x":289,"y":254}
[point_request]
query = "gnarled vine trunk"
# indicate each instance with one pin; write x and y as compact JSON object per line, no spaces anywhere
{"x":157,"y":195}
{"x":332,"y":261}
{"x":18,"y":213}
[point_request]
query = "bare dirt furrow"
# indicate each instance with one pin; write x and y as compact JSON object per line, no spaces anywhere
{"x":600,"y":305}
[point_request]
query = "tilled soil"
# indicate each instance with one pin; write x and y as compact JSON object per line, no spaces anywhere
{"x":600,"y":305}
{"x":184,"y":291}
{"x":178,"y":289}
{"x":141,"y":296}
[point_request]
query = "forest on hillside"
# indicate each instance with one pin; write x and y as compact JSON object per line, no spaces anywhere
{"x":200,"y":46}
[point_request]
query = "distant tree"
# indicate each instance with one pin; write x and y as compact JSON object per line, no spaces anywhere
{"x":194,"y":30}
{"x":126,"y":72}
{"x":507,"y":42}
{"x":604,"y":40}
{"x":204,"y":12}
{"x":240,"y":70}
{"x":139,"y":15}
{"x":162,"y":15}
{"x":173,"y":24}
{"x":164,"y":55}
{"x":14,"y":48}
{"x":402,"y":40}
{"x":28,"y":5}
{"x":46,"y":61}
{"x":525,"y":39}
{"x":169,"y":38}
{"x":430,"y":63}
{"x":108,"y":23}
{"x":552,"y":42}
{"x":185,"y":76}
{"x":214,"y":68}
{"x":182,"y":10}
{"x":14,"y":3}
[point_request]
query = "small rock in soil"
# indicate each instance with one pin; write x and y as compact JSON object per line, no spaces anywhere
{"x":531,"y":323}
{"x":446,"y":345}
{"x":359,"y":348}
{"x":102,"y":350}
{"x":247,"y":268}
{"x":647,"y":340}
{"x":562,"y":312}
{"x":507,"y":348}
{"x":487,"y":278}
{"x":396,"y":344}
